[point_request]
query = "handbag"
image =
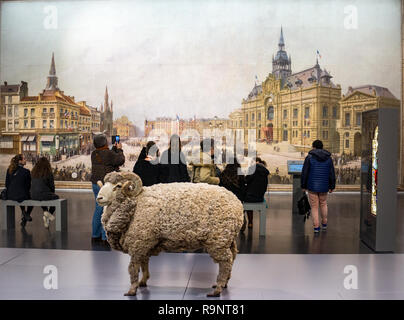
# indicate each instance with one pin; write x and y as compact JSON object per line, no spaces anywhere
{"x":304,"y":206}
{"x":3,"y":195}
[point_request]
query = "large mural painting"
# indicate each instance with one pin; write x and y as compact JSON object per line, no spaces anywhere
{"x":272,"y":75}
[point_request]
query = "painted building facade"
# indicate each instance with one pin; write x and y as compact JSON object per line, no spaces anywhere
{"x":124,"y":128}
{"x":11,"y":95}
{"x":294,"y":107}
{"x":47,"y":123}
{"x":353,"y":103}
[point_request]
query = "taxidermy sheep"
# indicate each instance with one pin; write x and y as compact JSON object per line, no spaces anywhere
{"x":143,"y":221}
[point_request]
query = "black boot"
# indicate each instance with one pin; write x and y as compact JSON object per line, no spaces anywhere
{"x":23,"y":222}
{"x":250,"y":219}
{"x":96,"y":240}
{"x":244,"y":224}
{"x":26,"y":216}
{"x":106,"y":244}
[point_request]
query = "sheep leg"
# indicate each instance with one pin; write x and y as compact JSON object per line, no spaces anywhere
{"x":234,"y":252}
{"x":145,"y":272}
{"x":234,"y":249}
{"x":134,"y":267}
{"x":222,"y":278}
{"x":225,"y":259}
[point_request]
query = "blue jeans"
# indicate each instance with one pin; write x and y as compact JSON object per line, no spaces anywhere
{"x":98,"y":230}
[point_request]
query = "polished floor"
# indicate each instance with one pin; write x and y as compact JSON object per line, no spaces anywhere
{"x":285,"y":233}
{"x":184,"y":276}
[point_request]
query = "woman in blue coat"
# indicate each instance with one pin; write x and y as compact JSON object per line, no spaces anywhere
{"x":318,"y":178}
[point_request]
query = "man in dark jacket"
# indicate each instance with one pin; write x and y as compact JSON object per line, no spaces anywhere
{"x":103,"y":161}
{"x":318,"y":177}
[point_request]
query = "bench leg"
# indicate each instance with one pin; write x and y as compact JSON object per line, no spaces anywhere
{"x":61,"y":216}
{"x":263,"y":222}
{"x":8,"y":213}
{"x":3,"y":216}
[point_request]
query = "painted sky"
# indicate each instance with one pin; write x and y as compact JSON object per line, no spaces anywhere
{"x":162,"y":58}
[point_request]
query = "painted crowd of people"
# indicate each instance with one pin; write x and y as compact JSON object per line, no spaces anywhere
{"x":79,"y":172}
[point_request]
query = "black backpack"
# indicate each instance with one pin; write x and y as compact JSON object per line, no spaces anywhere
{"x":304,"y":206}
{"x":3,"y":195}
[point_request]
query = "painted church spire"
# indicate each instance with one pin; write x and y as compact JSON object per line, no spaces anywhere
{"x":52,"y":82}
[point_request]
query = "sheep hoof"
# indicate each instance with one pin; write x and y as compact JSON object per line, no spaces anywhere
{"x":130,"y":293}
{"x":215,"y":286}
{"x":213,"y":294}
{"x":142,"y":284}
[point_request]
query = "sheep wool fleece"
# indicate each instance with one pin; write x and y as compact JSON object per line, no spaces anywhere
{"x":173,"y":217}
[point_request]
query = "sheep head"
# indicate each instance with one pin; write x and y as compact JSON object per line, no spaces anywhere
{"x":119,"y":185}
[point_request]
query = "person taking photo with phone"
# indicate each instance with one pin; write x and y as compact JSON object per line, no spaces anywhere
{"x":103,"y":161}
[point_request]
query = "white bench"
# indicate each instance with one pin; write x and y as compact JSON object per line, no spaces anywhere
{"x":261,"y":207}
{"x":8,"y":212}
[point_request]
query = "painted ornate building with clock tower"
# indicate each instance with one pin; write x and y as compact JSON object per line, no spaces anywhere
{"x":294,"y":107}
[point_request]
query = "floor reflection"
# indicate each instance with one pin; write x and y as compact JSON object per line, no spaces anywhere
{"x":285,"y":232}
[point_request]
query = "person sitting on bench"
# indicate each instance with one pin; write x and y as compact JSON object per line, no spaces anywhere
{"x":43,"y":188}
{"x":257,"y":183}
{"x":18,"y":183}
{"x":232,"y":180}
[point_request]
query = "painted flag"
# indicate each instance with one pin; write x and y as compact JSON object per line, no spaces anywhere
{"x":178,"y":118}
{"x":318,"y":53}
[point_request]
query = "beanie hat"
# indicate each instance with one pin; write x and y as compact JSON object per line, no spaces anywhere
{"x":100,"y":140}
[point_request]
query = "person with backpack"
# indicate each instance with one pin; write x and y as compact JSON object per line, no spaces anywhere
{"x":18,"y":184}
{"x":318,"y":178}
{"x":43,"y":187}
{"x":204,"y":169}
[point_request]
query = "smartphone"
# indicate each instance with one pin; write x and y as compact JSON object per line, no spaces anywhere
{"x":115,"y":139}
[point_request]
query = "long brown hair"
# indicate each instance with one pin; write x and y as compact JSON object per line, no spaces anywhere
{"x":230,"y":175}
{"x":14,"y":163}
{"x":42,"y":168}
